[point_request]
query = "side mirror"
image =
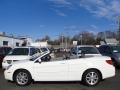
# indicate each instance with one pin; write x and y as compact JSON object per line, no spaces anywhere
{"x":81,"y":54}
{"x":39,"y":60}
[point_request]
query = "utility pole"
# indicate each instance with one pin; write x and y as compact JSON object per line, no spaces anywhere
{"x":62,"y":40}
{"x":118,"y":22}
{"x":66,"y":42}
{"x":81,"y":38}
{"x":105,"y":35}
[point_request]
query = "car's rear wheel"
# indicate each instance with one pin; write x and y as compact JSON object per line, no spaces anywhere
{"x":22,"y":78}
{"x":91,"y":77}
{"x":115,"y":64}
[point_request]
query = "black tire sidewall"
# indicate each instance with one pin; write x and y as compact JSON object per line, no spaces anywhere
{"x":88,"y":71}
{"x":28,"y":74}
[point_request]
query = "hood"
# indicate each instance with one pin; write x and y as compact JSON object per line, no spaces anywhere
{"x":22,"y":61}
{"x":15,"y":57}
{"x":22,"y":64}
{"x":117,"y":55}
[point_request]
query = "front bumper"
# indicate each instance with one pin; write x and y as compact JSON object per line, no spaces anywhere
{"x":5,"y":65}
{"x":8,"y":75}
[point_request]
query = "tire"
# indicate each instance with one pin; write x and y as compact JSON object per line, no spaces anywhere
{"x":117,"y":66}
{"x":91,"y":77}
{"x":22,"y":78}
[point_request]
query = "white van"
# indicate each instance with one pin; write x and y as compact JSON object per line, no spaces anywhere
{"x":19,"y":53}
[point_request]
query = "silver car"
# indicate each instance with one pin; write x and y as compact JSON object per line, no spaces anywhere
{"x":85,"y":49}
{"x":112,"y":51}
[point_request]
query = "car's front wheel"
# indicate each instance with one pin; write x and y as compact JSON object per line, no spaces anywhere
{"x":22,"y":78}
{"x":91,"y":77}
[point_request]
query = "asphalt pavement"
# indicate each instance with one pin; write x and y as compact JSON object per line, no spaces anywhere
{"x":108,"y":84}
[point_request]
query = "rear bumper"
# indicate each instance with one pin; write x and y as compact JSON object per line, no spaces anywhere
{"x":108,"y":72}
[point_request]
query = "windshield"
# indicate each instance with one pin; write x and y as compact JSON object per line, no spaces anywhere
{"x":44,"y":49}
{"x":89,"y":50}
{"x":116,"y":49}
{"x":19,"y":51}
{"x":36,"y":57}
{"x":2,"y":51}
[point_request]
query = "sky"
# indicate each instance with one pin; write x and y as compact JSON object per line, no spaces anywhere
{"x":38,"y":18}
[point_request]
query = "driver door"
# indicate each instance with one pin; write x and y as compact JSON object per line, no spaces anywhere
{"x":51,"y":70}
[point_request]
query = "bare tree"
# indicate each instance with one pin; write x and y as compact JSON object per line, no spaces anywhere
{"x":46,"y":38}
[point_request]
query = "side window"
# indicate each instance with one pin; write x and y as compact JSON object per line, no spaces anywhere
{"x":102,"y":49}
{"x":74,"y":49}
{"x":107,"y":50}
{"x":32,"y":51}
{"x":5,"y":43}
{"x":38,"y":50}
{"x":17,"y":44}
{"x":44,"y":49}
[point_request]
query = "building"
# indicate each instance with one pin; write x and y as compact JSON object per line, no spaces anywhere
{"x":109,"y":41}
{"x":11,"y":41}
{"x":27,"y":40}
{"x":40,"y":44}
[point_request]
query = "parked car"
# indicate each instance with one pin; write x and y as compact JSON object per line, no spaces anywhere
{"x":3,"y":52}
{"x":90,"y":70}
{"x":86,"y":49}
{"x":19,"y":53}
{"x":112,"y":51}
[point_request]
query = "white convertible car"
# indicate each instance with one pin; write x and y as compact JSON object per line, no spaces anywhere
{"x":90,"y":70}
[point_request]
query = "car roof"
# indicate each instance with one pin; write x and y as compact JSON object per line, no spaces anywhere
{"x":5,"y":47}
{"x":85,"y":46}
{"x":25,"y":47}
{"x":109,"y":45}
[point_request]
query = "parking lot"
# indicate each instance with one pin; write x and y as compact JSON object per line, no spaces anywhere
{"x":108,"y":84}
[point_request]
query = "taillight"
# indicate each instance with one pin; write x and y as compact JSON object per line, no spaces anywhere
{"x":109,"y":62}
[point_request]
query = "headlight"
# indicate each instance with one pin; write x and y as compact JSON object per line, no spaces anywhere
{"x":8,"y":67}
{"x":4,"y":61}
